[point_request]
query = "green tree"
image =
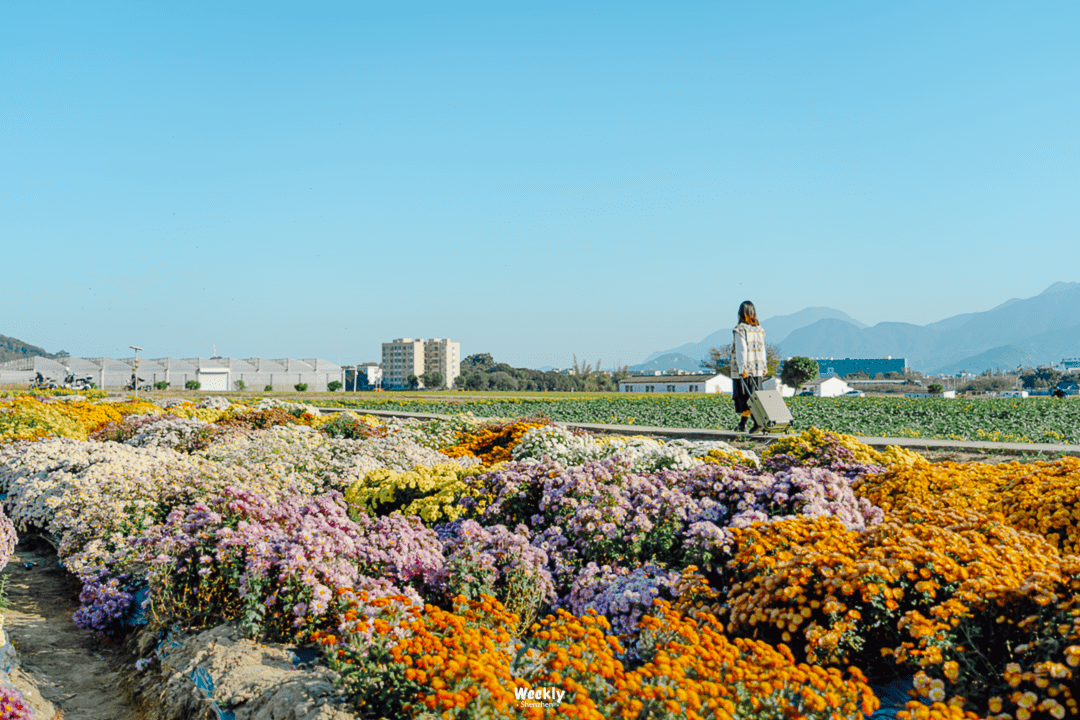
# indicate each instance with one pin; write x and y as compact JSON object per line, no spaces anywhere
{"x":413,"y":381}
{"x":472,"y":381}
{"x":333,"y":385}
{"x":300,"y":387}
{"x":479,"y":361}
{"x":161,"y":385}
{"x":1044,"y":377}
{"x":240,"y":385}
{"x":502,"y":381}
{"x":798,"y":370}
{"x":193,"y":385}
{"x":432,"y":380}
{"x":934,"y":388}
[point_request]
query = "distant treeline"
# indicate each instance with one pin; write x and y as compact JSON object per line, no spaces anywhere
{"x":481,"y":372}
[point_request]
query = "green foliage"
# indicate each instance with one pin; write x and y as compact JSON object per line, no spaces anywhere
{"x":268,"y":388}
{"x":477,"y":375}
{"x":432,"y":380}
{"x":502,"y":381}
{"x":798,"y":370}
{"x":192,"y":385}
{"x":346,"y":426}
{"x":479,"y":361}
{"x":934,"y":388}
{"x":989,"y":384}
{"x":333,"y":385}
{"x":161,"y":385}
{"x":240,"y":385}
{"x":300,"y":387}
{"x":1042,"y":378}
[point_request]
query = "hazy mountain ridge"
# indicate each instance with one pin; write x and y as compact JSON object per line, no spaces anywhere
{"x":776,"y":329}
{"x":677,"y":361}
{"x":14,"y":349}
{"x":1034,"y":331}
{"x":1006,"y":358}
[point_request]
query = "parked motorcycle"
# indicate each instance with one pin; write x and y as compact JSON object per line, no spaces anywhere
{"x":142,"y":387}
{"x":43,"y":383}
{"x":83,"y":383}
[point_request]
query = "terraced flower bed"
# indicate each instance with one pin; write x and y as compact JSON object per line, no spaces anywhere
{"x":507,"y":568}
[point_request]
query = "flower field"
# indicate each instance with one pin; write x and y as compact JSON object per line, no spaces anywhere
{"x":1034,"y":420}
{"x":508,"y":567}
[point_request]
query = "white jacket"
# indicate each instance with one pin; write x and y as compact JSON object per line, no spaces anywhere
{"x":749,"y":352}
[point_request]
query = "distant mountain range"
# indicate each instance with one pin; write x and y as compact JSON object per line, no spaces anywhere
{"x":777,"y":327}
{"x":1019,"y":332}
{"x":670,"y":361}
{"x":12,"y":349}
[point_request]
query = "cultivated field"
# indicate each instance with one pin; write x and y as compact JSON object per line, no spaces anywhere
{"x":1032,"y":420}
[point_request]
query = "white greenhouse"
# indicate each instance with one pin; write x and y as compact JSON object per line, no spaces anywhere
{"x":212,"y":373}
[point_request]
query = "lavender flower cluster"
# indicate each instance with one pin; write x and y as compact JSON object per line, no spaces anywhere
{"x":104,"y":603}
{"x":291,"y":555}
{"x":496,"y":561}
{"x":603,"y":513}
{"x":620,"y":594}
{"x":400,"y":548}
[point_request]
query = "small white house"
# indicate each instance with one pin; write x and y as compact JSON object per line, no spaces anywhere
{"x":1013,"y":394}
{"x":676,"y":384}
{"x":774,"y":383}
{"x":830,"y":386}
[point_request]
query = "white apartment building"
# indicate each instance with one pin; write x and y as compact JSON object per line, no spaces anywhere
{"x":400,"y":359}
{"x":407,"y":356}
{"x":443,"y":356}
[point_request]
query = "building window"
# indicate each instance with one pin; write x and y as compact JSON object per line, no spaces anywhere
{"x":671,"y":388}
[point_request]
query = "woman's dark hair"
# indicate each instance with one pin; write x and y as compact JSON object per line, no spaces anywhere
{"x":747,"y":313}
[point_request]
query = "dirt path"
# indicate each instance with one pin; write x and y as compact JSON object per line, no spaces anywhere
{"x":73,"y":669}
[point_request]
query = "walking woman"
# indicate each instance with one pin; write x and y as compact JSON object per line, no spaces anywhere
{"x":748,"y":362}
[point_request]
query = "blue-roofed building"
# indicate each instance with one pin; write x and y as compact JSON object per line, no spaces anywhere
{"x":843,"y":367}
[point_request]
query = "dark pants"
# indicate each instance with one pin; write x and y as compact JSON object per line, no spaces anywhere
{"x":742,"y":389}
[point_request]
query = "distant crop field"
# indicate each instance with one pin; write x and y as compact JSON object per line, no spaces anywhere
{"x":1036,"y":420}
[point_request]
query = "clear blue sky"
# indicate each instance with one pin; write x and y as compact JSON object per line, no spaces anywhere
{"x":531,"y":179}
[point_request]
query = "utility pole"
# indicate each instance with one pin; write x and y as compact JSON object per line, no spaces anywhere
{"x":135,"y":370}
